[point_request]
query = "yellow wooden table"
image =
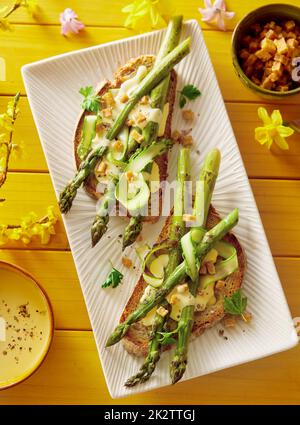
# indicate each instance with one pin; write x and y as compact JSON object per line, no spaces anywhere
{"x":72,"y":372}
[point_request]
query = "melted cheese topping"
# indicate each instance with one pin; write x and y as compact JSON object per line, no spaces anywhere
{"x":180,"y":300}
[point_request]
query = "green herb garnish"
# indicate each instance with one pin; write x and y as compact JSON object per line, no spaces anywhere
{"x":189,"y":92}
{"x":91,"y":101}
{"x":113,"y":279}
{"x":236,"y":304}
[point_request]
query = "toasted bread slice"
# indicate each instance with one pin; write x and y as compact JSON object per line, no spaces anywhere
{"x":126,"y":71}
{"x":137,"y":338}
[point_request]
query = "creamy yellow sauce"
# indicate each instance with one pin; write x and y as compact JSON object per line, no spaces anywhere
{"x":25,"y":326}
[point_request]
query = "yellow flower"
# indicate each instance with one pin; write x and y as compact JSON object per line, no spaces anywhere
{"x":143,"y":15}
{"x":273,"y":130}
{"x":6,"y":121}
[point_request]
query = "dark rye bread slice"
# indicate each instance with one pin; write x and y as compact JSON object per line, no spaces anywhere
{"x":137,"y":338}
{"x":128,"y":70}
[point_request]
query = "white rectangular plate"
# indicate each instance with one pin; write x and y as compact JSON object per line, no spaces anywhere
{"x":52,"y":86}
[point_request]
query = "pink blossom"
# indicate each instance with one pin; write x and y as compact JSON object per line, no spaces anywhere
{"x":216,"y":13}
{"x":69,"y":22}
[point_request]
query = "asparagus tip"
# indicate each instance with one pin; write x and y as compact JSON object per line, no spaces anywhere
{"x":177,"y":369}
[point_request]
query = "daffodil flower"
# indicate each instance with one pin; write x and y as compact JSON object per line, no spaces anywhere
{"x":273,"y":129}
{"x":146,"y":14}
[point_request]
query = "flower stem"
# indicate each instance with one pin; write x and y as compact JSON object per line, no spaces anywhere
{"x":3,"y":173}
{"x":14,"y":7}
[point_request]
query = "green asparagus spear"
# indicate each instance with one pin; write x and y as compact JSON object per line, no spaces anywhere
{"x":99,"y":226}
{"x":208,"y":178}
{"x":153,"y":356}
{"x":132,"y":230}
{"x":207,"y":243}
{"x":155,"y":76}
{"x":158,"y":98}
{"x":68,"y":194}
{"x":136,"y":164}
{"x":176,"y":232}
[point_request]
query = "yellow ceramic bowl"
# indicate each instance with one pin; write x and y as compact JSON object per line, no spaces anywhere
{"x":26,"y":325}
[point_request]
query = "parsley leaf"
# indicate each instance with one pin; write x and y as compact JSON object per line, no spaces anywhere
{"x":189,"y":92}
{"x":236,"y":304}
{"x":91,"y":101}
{"x":113,"y":279}
{"x":166,"y":338}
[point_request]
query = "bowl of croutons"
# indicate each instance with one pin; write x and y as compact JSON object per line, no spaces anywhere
{"x":266,"y":50}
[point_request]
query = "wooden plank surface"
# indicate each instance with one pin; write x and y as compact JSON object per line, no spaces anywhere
{"x":259,"y":161}
{"x":39,"y":42}
{"x":71,"y":374}
{"x":100,"y":12}
{"x":56,"y":273}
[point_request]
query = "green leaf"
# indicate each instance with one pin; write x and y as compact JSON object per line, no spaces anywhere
{"x":166,"y":337}
{"x":189,"y":92}
{"x":113,"y":279}
{"x":91,"y":101}
{"x":182,"y":101}
{"x":236,"y":304}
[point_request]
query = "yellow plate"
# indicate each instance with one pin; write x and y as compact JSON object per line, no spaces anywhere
{"x":26,"y":325}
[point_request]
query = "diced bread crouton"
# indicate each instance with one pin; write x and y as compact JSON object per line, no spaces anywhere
{"x":126,"y":262}
{"x":263,"y":55}
{"x":117,"y":145}
{"x":176,"y":135}
{"x":281,"y":46}
{"x":139,"y":117}
{"x":187,"y":140}
{"x":274,"y":76}
{"x":107,"y":112}
{"x":292,"y":43}
{"x":144,"y":100}
{"x":188,"y":115}
{"x":271,"y":34}
{"x":289,"y":25}
{"x":229,"y":322}
{"x":101,"y":168}
{"x":291,"y":34}
{"x":268,"y":45}
{"x":244,"y":54}
{"x":277,"y":67}
{"x":267,"y":83}
{"x":250,"y":60}
{"x":137,"y":136}
{"x":253,"y":46}
{"x":281,"y":58}
{"x":107,"y":99}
